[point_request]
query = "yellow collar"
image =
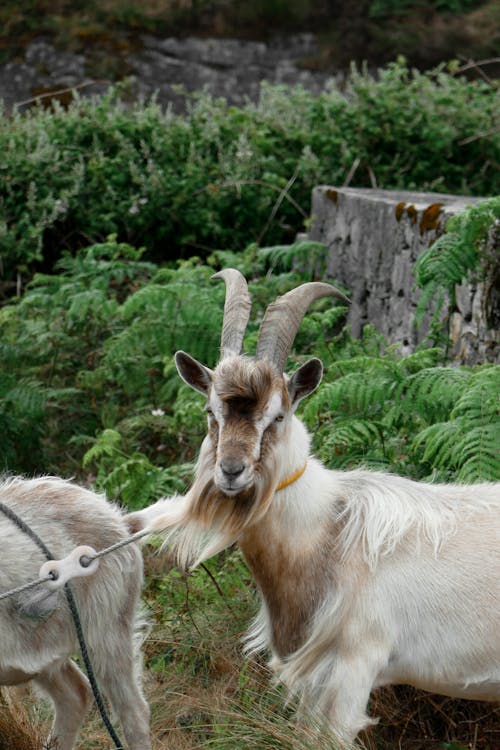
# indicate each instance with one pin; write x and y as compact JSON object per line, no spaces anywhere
{"x":291,"y":479}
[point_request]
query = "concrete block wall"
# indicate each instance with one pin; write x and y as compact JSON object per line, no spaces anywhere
{"x":374,"y":238}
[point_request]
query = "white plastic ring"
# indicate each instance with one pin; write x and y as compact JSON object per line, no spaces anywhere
{"x":79,"y":563}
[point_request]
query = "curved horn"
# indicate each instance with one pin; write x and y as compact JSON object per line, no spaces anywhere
{"x":236,"y":311}
{"x":283,"y":318}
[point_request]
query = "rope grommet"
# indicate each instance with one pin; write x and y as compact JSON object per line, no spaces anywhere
{"x":79,"y":563}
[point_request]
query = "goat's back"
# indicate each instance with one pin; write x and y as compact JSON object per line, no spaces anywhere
{"x":64,"y":516}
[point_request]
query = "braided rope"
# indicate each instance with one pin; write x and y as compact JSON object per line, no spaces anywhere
{"x":76,"y":619}
{"x":25,"y":587}
{"x":134,"y":538}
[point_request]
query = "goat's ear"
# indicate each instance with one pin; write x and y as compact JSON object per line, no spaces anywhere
{"x":193,"y":372}
{"x":305,"y":380}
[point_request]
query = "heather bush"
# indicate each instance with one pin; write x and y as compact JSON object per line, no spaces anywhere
{"x":224,"y":176}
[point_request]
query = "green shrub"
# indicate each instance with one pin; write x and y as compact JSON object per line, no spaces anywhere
{"x":223,"y":176}
{"x":387,"y":8}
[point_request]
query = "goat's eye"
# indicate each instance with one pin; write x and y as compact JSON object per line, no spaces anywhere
{"x":209,"y":411}
{"x":279,"y":418}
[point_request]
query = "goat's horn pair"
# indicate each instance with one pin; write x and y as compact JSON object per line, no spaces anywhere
{"x":281,"y":321}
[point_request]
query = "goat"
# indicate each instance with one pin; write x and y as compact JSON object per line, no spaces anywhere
{"x":38,"y":633}
{"x":366,"y":578}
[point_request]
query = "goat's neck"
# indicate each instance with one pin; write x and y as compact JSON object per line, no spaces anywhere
{"x":293,"y":450}
{"x":279,"y":549}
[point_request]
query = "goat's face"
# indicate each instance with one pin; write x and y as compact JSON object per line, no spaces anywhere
{"x":249,"y":406}
{"x":250,"y":403}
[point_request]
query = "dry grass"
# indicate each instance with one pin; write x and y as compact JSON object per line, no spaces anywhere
{"x":202,"y":692}
{"x":22,"y":725}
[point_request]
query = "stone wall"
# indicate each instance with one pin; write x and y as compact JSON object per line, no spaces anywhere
{"x":374,"y":238}
{"x":231,"y":68}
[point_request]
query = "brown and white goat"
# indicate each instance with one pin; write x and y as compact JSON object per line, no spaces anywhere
{"x":366,"y":578}
{"x":38,"y":635}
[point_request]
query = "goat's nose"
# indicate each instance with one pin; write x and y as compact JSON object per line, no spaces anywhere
{"x":232,"y":467}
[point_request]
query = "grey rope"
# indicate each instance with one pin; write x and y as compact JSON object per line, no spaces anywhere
{"x":25,"y":587}
{"x":76,"y":619}
{"x":84,"y":560}
{"x":134,"y":538}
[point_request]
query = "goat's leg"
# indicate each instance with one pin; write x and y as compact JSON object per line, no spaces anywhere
{"x":70,"y":692}
{"x":119,"y":675}
{"x":350,"y":692}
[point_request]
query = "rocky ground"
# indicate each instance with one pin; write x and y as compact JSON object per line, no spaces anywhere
{"x":230,"y":68}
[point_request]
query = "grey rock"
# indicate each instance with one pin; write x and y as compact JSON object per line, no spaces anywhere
{"x":229,"y":68}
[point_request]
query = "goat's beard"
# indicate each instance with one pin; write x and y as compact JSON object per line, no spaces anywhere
{"x":211,"y":520}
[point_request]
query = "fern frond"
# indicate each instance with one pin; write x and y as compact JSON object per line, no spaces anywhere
{"x":345,"y":435}
{"x":355,"y":393}
{"x":446,"y":261}
{"x":481,"y":399}
{"x":107,"y":444}
{"x":419,"y":360}
{"x":27,"y":398}
{"x":91,"y":302}
{"x":305,"y":255}
{"x":368,"y":364}
{"x":432,"y":392}
{"x":478,"y":451}
{"x":438,"y":443}
{"x":454,"y":255}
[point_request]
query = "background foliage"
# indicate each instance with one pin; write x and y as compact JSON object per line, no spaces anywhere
{"x":427,"y":31}
{"x":97,"y":339}
{"x":224,"y":176}
{"x":95,"y":200}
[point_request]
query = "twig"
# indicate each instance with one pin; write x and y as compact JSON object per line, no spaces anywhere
{"x":477,"y":64}
{"x":57,"y":92}
{"x":277,"y":204}
{"x":350,"y":174}
{"x":219,"y":590}
{"x":485,"y":134}
{"x":373,"y":179}
{"x":261,"y":183}
{"x":188,"y":607}
{"x":474,"y":742}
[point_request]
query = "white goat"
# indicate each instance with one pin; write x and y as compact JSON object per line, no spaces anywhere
{"x":367,"y":579}
{"x":38,"y":633}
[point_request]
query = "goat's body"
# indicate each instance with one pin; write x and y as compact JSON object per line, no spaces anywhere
{"x":366,"y":578}
{"x":38,"y":634}
{"x":382,"y":581}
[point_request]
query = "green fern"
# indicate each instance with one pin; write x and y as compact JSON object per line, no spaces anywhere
{"x":97,"y":341}
{"x":399,"y":412}
{"x":22,"y":413}
{"x":479,"y":454}
{"x":306,"y":256}
{"x":132,"y":478}
{"x":467,"y":443}
{"x":480,"y":400}
{"x":467,"y":453}
{"x":461,"y":250}
{"x":432,"y":392}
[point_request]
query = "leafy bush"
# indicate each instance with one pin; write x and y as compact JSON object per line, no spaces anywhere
{"x":385,"y":8}
{"x":222,"y":176}
{"x":50,"y":337}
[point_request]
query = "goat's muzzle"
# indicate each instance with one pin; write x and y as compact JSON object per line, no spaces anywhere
{"x":233,"y":475}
